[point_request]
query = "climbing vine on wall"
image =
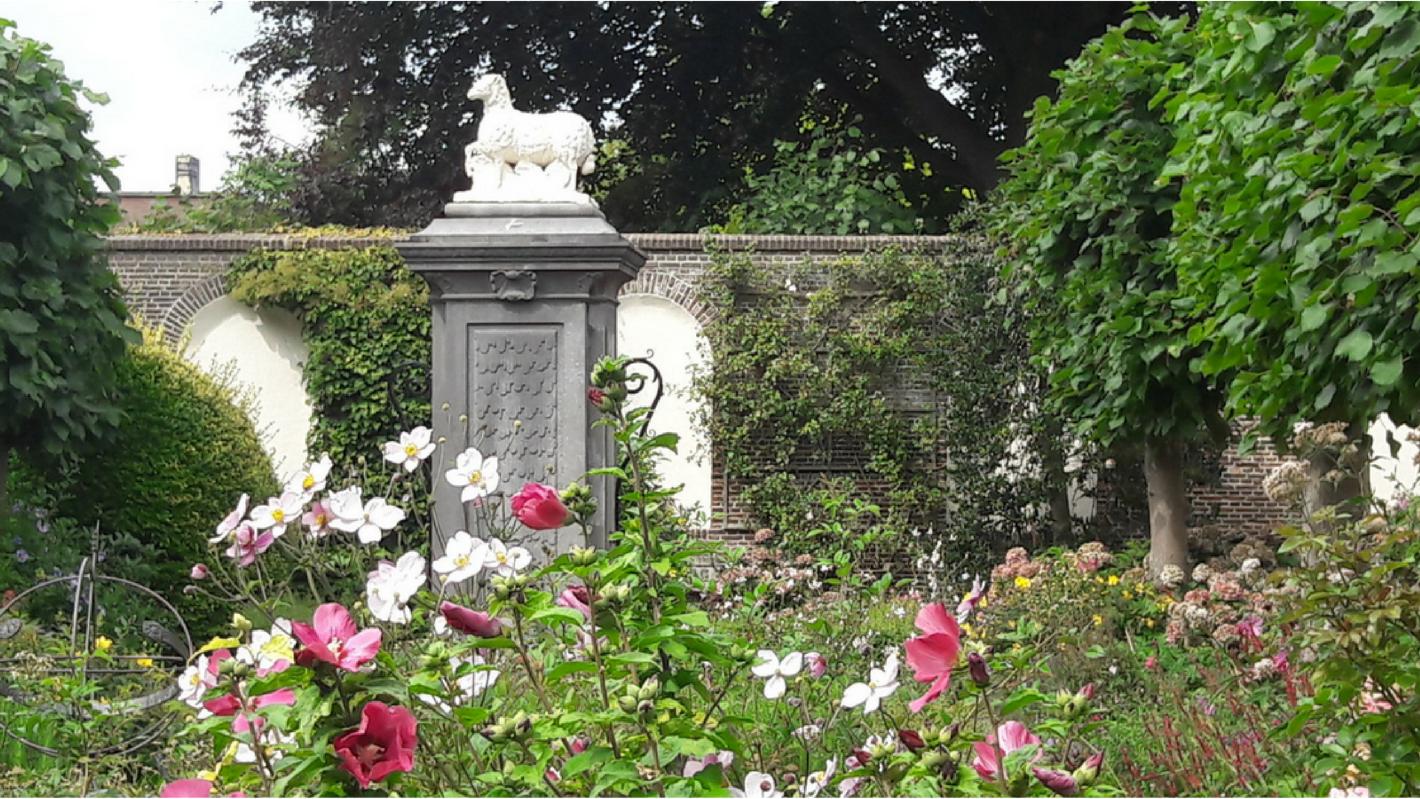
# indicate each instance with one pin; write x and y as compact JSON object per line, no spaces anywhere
{"x":365,"y":319}
{"x":887,"y":383}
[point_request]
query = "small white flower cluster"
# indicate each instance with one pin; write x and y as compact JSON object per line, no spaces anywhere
{"x":466,"y":555}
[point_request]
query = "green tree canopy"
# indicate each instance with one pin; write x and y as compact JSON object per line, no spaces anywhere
{"x":1088,"y":223}
{"x":62,"y":325}
{"x":1298,"y":223}
{"x":693,"y":92}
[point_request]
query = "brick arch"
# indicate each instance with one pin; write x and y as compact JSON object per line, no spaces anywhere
{"x":179,"y":315}
{"x":673,"y":287}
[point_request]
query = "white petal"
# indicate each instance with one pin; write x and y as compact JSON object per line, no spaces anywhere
{"x":472,"y":491}
{"x":792,"y":664}
{"x":370,"y":534}
{"x":386,"y":516}
{"x":411,"y":464}
{"x":394,"y":453}
{"x":767,"y":666}
{"x":856,"y":694}
{"x":455,"y":477}
{"x":519,"y":557}
{"x":775,"y":687}
{"x":420,"y":436}
{"x":872,"y":704}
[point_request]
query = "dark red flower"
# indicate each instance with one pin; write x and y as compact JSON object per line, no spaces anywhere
{"x":911,"y":740}
{"x":383,"y":744}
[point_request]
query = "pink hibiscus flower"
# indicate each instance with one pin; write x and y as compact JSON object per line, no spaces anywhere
{"x":1008,"y":738}
{"x":333,"y":638}
{"x":933,"y":655}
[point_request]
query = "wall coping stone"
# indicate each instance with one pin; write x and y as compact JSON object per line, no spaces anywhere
{"x":689,"y":242}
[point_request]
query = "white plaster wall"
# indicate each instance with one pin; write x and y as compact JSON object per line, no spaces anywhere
{"x":670,"y":335}
{"x":264,"y":353}
{"x":1396,"y":475}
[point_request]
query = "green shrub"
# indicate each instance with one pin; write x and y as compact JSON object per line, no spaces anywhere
{"x":184,"y":453}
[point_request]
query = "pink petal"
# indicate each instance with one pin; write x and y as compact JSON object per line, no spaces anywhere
{"x":985,"y":761}
{"x":934,"y":618}
{"x":332,"y":620}
{"x":285,"y":696}
{"x":931,"y":656}
{"x":935,"y":691}
{"x":185,"y":788}
{"x":361,"y":649}
{"x":223,"y":705}
{"x":1013,"y":735}
{"x":312,"y":641}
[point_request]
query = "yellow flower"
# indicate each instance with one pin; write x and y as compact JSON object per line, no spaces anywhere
{"x":1099,"y":580}
{"x":983,"y":603}
{"x":1098,"y":619}
{"x":1127,"y":596}
{"x":210,"y":775}
{"x":1023,"y":582}
{"x":966,"y":628}
{"x":1114,"y":579}
{"x":144,"y":663}
{"x":1149,"y":623}
{"x":103,"y":644}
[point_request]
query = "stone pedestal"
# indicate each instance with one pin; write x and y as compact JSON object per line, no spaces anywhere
{"x":524,"y":302}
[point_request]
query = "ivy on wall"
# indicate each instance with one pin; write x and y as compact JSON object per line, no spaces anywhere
{"x":365,"y":319}
{"x":862,"y":398}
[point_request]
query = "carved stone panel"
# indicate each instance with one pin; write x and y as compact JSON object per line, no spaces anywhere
{"x":512,"y":399}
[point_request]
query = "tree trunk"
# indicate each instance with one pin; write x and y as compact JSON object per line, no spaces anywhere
{"x":4,"y":481}
{"x":1168,"y":505}
{"x":1057,"y":482}
{"x":1322,"y":492}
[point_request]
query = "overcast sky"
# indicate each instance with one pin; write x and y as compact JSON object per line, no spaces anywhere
{"x":167,"y":68}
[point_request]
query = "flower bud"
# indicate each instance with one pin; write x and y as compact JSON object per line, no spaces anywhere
{"x":1057,"y":781}
{"x":240,"y":668}
{"x":627,"y":704}
{"x":911,"y":740}
{"x":199,"y":572}
{"x":1087,"y":772}
{"x":817,"y":664}
{"x":241,"y":623}
{"x":649,"y":689}
{"x":935,"y":758}
{"x":583,"y":556}
{"x":976,"y":666}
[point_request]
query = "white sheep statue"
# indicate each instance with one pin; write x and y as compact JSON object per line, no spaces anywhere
{"x":525,"y":157}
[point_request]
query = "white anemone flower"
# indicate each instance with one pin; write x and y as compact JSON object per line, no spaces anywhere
{"x":464,"y":557}
{"x":229,"y":524}
{"x":478,"y":475}
{"x":392,"y":585}
{"x":411,"y":449}
{"x":880,"y":685}
{"x":817,"y":782}
{"x":278,"y":512}
{"x":758,"y":785}
{"x":311,"y":479}
{"x":775,"y":671}
{"x":268,"y":649}
{"x":195,"y":682}
{"x":506,"y":560}
{"x":369,"y":521}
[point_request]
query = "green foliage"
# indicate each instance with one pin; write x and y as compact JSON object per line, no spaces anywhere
{"x":833,"y":183}
{"x":1087,"y":221}
{"x":184,"y":453}
{"x":1300,"y":206}
{"x":895,"y":368}
{"x":365,"y":318}
{"x":255,"y":196}
{"x":61,"y":320}
{"x":1354,"y":608}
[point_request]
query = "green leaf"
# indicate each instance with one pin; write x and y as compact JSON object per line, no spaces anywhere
{"x":1385,"y":373}
{"x":1325,"y":65}
{"x":1355,"y":346}
{"x":1313,"y":317}
{"x":581,"y":762}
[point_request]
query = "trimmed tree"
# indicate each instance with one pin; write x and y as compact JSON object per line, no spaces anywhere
{"x":1086,"y":224}
{"x":1299,"y":214}
{"x":61,"y":319}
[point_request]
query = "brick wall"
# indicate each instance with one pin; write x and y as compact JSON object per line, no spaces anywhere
{"x":167,"y":279}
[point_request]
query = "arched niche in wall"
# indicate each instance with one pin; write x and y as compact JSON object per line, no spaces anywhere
{"x":652,"y":325}
{"x":263,"y":353}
